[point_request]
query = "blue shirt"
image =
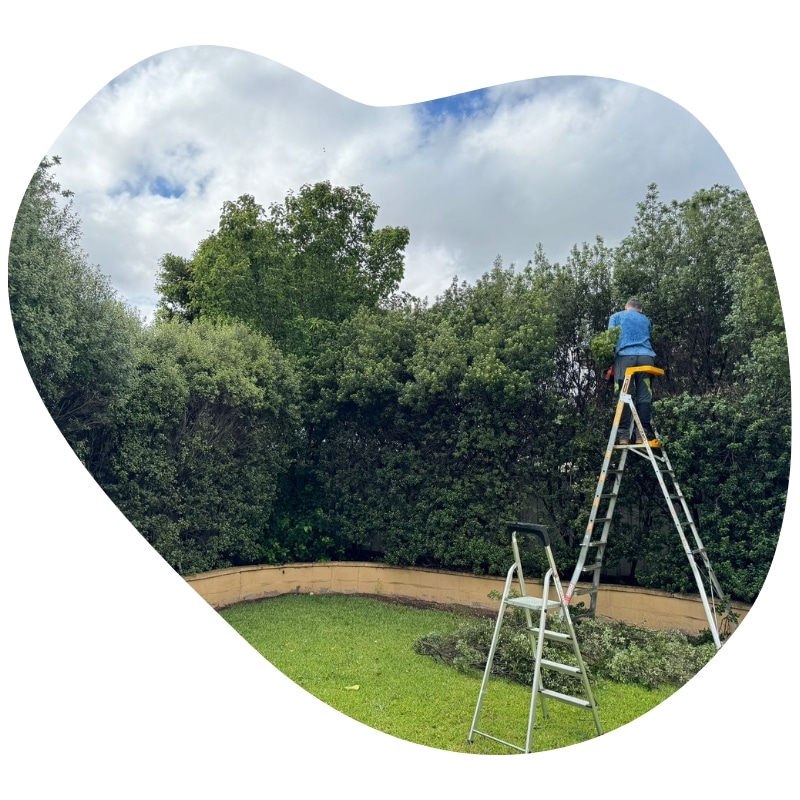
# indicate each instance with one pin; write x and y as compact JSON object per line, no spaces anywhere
{"x":634,"y":338}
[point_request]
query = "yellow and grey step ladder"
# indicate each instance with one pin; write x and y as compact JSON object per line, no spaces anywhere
{"x":604,"y":503}
{"x":538,"y":632}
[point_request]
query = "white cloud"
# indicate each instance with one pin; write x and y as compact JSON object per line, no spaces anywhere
{"x":556,"y":161}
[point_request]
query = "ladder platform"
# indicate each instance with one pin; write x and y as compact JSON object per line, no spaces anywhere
{"x":532,"y":603}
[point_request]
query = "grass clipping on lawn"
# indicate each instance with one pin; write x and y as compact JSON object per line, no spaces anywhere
{"x":369,"y":659}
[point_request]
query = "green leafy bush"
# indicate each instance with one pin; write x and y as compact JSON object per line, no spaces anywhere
{"x":611,"y":650}
{"x":630,"y":654}
{"x":603,"y":347}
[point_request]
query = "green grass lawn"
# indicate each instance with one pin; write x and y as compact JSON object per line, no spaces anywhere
{"x":356,"y":654}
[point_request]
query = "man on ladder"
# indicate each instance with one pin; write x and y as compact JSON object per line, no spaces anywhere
{"x":633,"y":349}
{"x":634,"y":369}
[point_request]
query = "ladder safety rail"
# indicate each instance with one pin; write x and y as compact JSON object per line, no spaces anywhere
{"x":604,"y":502}
{"x":537,"y":634}
{"x":650,"y":370}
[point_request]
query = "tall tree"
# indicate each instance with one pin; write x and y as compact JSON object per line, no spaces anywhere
{"x":76,"y":336}
{"x":310,"y":263}
{"x":580,"y":292}
{"x":340,"y":262}
{"x":680,"y":259}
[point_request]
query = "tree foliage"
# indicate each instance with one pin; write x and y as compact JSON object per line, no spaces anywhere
{"x":432,"y":415}
{"x":202,"y":438}
{"x":76,"y":336}
{"x":339,"y":261}
{"x":312,"y":261}
{"x":288,"y":404}
{"x":683,"y":260}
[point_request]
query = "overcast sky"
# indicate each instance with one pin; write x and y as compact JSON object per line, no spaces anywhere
{"x":154,"y":155}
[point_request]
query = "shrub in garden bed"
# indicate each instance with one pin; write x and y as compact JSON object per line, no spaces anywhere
{"x":614,"y":651}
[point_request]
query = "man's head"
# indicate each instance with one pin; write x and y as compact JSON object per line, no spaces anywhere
{"x":634,"y":304}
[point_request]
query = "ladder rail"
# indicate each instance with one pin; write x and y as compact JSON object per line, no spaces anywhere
{"x":611,"y":447}
{"x":709,"y":609}
{"x":644,"y":449}
{"x":565,"y":615}
{"x":537,"y":664}
{"x":492,"y":649}
{"x":529,"y":629}
{"x":711,"y":617}
{"x":700,"y":548}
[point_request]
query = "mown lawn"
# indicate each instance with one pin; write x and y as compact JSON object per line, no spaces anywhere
{"x":356,"y":654}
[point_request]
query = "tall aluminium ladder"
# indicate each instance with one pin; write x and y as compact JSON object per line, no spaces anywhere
{"x":537,"y":633}
{"x":605,"y":500}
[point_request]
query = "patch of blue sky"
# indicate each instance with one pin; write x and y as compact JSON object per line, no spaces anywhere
{"x":164,"y":187}
{"x":583,"y":90}
{"x":158,"y":186}
{"x":457,"y":107}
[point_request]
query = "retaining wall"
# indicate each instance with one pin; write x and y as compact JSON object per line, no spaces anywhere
{"x":646,"y":607}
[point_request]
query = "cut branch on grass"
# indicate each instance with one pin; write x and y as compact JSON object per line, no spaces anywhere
{"x":611,"y":650}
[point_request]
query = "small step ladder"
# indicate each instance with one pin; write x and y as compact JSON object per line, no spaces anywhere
{"x":605,"y":499}
{"x":537,"y":634}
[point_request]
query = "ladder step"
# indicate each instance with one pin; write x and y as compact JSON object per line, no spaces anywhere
{"x":583,"y":590}
{"x":565,"y":698}
{"x":555,"y":665}
{"x":555,"y":635}
{"x":592,"y":568}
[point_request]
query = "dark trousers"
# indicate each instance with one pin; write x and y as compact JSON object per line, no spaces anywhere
{"x":640,"y":389}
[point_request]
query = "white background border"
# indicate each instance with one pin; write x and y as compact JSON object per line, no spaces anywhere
{"x":117,"y":679}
